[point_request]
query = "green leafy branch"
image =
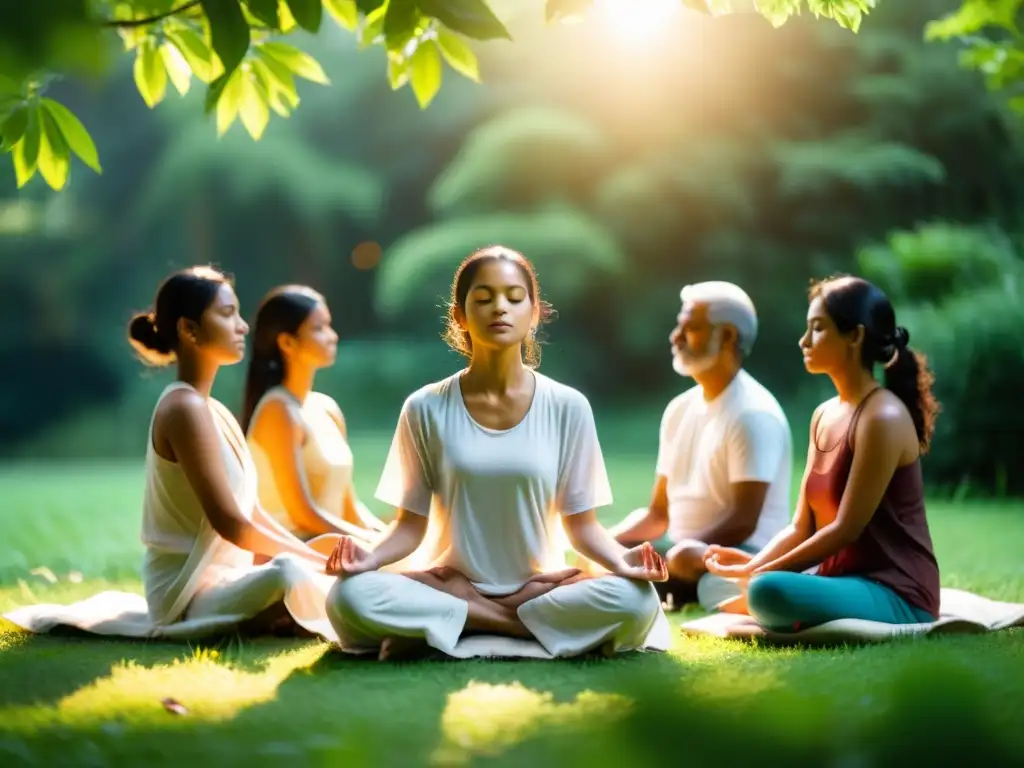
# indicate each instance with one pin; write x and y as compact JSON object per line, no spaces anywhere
{"x":235,"y":48}
{"x":992,"y":42}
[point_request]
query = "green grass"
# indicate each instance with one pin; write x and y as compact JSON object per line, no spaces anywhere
{"x":85,"y":701}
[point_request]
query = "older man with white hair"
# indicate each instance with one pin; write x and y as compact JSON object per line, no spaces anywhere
{"x":724,"y":462}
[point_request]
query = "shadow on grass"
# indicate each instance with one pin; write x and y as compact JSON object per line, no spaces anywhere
{"x":939,"y":701}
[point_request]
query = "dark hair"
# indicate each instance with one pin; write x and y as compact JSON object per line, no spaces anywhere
{"x":851,"y":302}
{"x":185,"y":294}
{"x":457,"y":338}
{"x":282,"y":310}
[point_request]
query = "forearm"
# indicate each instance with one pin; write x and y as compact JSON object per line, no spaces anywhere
{"x":398,"y":543}
{"x":264,"y":540}
{"x":593,"y":541}
{"x":784,"y":541}
{"x":813,"y":550}
{"x":640,"y":525}
{"x":730,"y":530}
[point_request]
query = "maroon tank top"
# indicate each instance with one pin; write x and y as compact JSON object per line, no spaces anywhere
{"x":895,"y":548}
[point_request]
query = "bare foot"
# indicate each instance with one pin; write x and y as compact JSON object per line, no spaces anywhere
{"x":399,"y":648}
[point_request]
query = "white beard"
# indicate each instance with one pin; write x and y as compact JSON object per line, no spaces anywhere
{"x":689,"y":365}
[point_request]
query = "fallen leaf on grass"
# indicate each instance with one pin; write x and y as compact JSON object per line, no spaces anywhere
{"x":45,"y":572}
{"x":174,"y":707}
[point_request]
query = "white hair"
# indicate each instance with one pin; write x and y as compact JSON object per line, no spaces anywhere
{"x":728,"y":304}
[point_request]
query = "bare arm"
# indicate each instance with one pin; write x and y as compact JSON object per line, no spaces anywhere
{"x":880,"y":438}
{"x":646,"y":524}
{"x":188,"y":429}
{"x":592,"y":540}
{"x":278,"y":435}
{"x":401,"y":539}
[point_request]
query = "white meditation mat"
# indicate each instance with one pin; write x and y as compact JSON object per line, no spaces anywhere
{"x":960,"y":613}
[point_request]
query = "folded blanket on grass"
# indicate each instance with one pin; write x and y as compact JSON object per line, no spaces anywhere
{"x":960,"y":613}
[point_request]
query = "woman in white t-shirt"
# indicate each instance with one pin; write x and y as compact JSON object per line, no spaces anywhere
{"x":486,"y":469}
{"x":298,"y":436}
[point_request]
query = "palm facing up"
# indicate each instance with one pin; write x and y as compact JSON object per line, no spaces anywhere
{"x":727,"y":562}
{"x":349,"y":558}
{"x":644,"y":563}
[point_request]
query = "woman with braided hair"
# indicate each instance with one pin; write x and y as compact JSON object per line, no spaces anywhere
{"x":860,"y":517}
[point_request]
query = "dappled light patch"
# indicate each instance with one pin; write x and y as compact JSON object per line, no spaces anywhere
{"x":485,"y":719}
{"x":206,"y":684}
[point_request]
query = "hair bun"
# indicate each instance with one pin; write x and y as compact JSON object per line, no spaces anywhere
{"x":147,"y":340}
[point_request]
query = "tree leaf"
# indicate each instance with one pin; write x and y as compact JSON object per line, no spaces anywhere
{"x":400,"y":21}
{"x":372,"y":28}
{"x":229,"y":31}
{"x":778,"y":11}
{"x":398,"y":71}
{"x":565,"y":10}
{"x":266,"y":12}
{"x":74,"y":132}
{"x":13,"y":128}
{"x":425,"y":72}
{"x":279,"y":77}
{"x":177,"y":68}
{"x":701,"y":6}
{"x":308,"y":13}
{"x":472,"y":18}
{"x":344,"y":12}
{"x":150,"y":75}
{"x":281,"y":94}
{"x":458,"y":54}
{"x":299,"y":62}
{"x":366,"y":7}
{"x":253,"y":108}
{"x":26,"y":152}
{"x":196,"y":52}
{"x":54,"y":157}
{"x":229,"y":100}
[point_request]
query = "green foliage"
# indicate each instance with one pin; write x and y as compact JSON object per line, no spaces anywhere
{"x":522,"y":160}
{"x":224,"y":43}
{"x":808,"y":169}
{"x":992,"y":42}
{"x":958,"y":290}
{"x":936,"y":260}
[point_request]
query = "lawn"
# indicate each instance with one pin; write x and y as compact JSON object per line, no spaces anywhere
{"x":91,"y":702}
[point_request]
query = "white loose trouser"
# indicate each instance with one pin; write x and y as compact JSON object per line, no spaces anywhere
{"x":610,"y":611}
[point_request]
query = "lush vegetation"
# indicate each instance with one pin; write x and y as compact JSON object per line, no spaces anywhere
{"x":737,"y":162}
{"x":238,"y":49}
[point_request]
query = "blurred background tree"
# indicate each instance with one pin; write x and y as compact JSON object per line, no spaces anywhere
{"x":626,"y":154}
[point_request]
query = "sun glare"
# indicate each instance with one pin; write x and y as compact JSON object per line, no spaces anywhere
{"x":638,"y":21}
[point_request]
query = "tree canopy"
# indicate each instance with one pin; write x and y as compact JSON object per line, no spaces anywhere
{"x":242,"y":52}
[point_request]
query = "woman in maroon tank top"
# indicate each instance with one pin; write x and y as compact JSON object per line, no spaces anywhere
{"x":860,"y":517}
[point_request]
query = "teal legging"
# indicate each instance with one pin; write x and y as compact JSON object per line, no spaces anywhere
{"x":786,"y":602}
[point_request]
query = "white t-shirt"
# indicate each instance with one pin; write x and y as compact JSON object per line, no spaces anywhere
{"x":495,"y":496}
{"x":704,"y":447}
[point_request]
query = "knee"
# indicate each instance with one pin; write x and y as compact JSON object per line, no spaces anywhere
{"x":686,"y":560}
{"x":769,"y":595}
{"x":636,"y":602}
{"x":357,"y":596}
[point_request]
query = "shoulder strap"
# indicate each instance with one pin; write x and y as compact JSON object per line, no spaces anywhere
{"x":856,"y":416}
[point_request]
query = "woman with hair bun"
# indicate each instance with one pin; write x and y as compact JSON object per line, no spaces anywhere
{"x":860,"y":517}
{"x":201,"y":524}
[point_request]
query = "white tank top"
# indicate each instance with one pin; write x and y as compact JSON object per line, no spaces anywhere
{"x":325,"y":458}
{"x":181,"y":545}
